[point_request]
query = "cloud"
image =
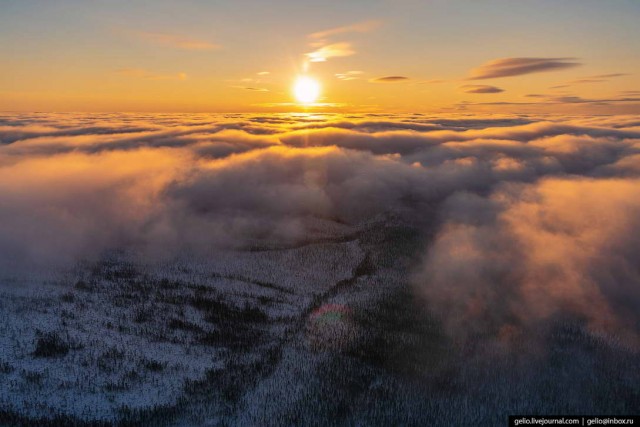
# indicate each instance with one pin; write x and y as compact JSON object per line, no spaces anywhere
{"x":533,"y":252}
{"x":349,"y":75}
{"x":359,"y":27}
{"x":609,"y":76}
{"x":254,"y":89}
{"x":140,"y":73}
{"x":523,"y":220}
{"x":480,"y":89}
{"x":335,"y":50}
{"x":600,"y":78}
{"x":580,"y":100}
{"x":324,"y":50}
{"x":176,"y":41}
{"x":389,"y":79}
{"x":507,"y":67}
{"x":550,"y":99}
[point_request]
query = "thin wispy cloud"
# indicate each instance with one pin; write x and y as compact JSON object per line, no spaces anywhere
{"x":249,"y":81}
{"x":349,"y":75}
{"x":480,"y":89}
{"x":596,"y":79}
{"x":358,"y":27}
{"x":389,"y":79}
{"x":334,"y":50}
{"x":324,"y":49}
{"x":251,"y":88}
{"x":559,"y":100}
{"x":176,"y":41}
{"x":140,"y":73}
{"x":508,"y":67}
{"x":581,"y":100}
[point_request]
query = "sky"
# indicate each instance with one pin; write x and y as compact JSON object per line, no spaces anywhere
{"x":543,"y":56}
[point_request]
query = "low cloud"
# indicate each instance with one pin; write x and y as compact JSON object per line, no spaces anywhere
{"x":480,"y":89}
{"x":534,"y":252}
{"x":508,"y":67}
{"x":529,"y":219}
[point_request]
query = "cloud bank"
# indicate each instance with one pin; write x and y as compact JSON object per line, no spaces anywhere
{"x":533,"y":218}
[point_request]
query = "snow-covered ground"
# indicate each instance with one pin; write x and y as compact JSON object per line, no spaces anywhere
{"x":325,"y":332}
{"x":118,"y":335}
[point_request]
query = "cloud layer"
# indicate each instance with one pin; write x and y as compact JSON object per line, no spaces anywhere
{"x":534,"y":218}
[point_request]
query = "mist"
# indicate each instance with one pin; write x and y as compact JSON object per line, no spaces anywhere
{"x":534,"y":217}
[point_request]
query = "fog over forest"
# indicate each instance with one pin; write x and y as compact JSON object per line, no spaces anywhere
{"x":447,"y":252}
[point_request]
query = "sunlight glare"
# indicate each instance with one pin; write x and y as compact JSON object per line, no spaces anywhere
{"x":306,"y":89}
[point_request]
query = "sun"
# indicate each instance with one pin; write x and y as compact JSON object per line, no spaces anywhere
{"x":306,"y":89}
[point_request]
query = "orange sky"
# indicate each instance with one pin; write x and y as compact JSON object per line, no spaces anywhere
{"x":378,"y":56}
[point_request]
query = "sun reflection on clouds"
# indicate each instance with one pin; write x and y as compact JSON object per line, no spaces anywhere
{"x":75,"y":185}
